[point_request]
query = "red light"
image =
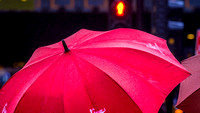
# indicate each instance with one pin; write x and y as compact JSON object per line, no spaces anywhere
{"x":120,"y":8}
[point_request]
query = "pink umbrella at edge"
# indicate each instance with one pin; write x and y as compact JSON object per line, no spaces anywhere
{"x":189,"y":93}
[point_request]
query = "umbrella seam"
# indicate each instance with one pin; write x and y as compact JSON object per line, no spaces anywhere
{"x":34,"y":82}
{"x":110,"y":78}
{"x":179,"y":66}
{"x":100,"y":33}
{"x":125,"y":68}
{"x":38,"y":61}
{"x":78,"y":68}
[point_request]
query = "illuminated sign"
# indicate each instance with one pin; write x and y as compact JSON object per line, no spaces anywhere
{"x":19,"y":5}
{"x":54,"y":5}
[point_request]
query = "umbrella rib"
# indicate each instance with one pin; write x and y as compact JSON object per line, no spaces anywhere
{"x":34,"y":81}
{"x":133,"y":49}
{"x":93,"y":37}
{"x":79,"y":70}
{"x":163,"y":56}
{"x":107,"y":76}
{"x":39,"y":61}
{"x":123,"y":67}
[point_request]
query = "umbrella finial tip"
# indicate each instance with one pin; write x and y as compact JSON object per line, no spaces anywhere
{"x":65,"y":45}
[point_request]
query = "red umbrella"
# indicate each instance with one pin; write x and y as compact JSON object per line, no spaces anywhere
{"x":117,"y":71}
{"x":189,"y":92}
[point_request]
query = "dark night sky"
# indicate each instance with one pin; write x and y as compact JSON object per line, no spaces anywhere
{"x":22,"y":33}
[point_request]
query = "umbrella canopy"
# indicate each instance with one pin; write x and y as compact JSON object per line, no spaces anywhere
{"x":189,"y":93}
{"x":117,"y":71}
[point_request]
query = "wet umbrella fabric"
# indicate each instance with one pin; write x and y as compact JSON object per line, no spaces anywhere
{"x":189,"y":93}
{"x":117,"y":71}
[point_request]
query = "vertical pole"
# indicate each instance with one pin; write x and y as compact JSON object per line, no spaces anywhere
{"x":140,"y":10}
{"x":159,"y":18}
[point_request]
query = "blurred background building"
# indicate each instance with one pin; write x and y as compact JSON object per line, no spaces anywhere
{"x":28,"y":24}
